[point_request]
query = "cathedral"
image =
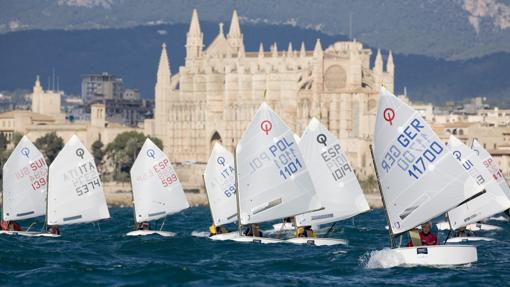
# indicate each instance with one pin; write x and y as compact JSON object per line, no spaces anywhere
{"x":215,"y":94}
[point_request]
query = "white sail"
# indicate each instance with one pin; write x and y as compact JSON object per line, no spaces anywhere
{"x":75,"y":191}
{"x":157,"y":191}
{"x":490,"y":164}
{"x":25,"y":177}
{"x":332,"y":175}
{"x":419,"y":177}
{"x":493,"y":201}
{"x":219,"y":177}
{"x":273,"y":179}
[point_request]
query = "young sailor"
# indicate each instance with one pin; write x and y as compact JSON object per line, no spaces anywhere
{"x":143,"y":226}
{"x":305,"y":231}
{"x":215,"y":230}
{"x":253,"y":230}
{"x":426,"y":236}
{"x":53,"y":229}
{"x":10,"y":226}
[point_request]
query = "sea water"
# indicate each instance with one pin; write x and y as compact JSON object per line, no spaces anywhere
{"x":92,"y":254}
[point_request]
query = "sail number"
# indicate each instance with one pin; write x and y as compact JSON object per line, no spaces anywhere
{"x":413,"y":152}
{"x":83,"y":189}
{"x":496,"y":173}
{"x":282,"y":154}
{"x":336,"y":162}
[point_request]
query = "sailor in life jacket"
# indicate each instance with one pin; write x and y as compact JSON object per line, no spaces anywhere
{"x":426,"y":237}
{"x":213,"y":230}
{"x":253,"y":230}
{"x":305,"y":231}
{"x":10,"y":226}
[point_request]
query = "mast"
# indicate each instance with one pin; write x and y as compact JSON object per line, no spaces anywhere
{"x":208,"y":202}
{"x":390,"y":232}
{"x":239,"y":226}
{"x":134,"y":211}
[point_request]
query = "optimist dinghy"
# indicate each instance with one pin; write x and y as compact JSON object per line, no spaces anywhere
{"x":419,"y":179}
{"x":25,"y":183}
{"x":492,"y":201}
{"x":272,"y":178}
{"x":219,"y":179}
{"x":75,"y":190}
{"x":157,"y":192}
{"x":334,"y":180}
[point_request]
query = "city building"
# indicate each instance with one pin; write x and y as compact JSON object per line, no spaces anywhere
{"x":101,"y":87}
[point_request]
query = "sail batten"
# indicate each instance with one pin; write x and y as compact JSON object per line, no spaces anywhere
{"x":332,"y":175}
{"x":25,"y":178}
{"x":273,"y":179}
{"x":157,"y":191}
{"x":75,"y":190}
{"x":419,"y":177}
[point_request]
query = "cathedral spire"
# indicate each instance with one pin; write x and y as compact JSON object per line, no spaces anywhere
{"x":274,"y":50}
{"x":390,"y":67}
{"x":194,"y":26}
{"x":378,"y":65}
{"x":235,"y":29}
{"x":234,"y":36}
{"x":302,"y":52}
{"x":317,"y":51}
{"x":261,"y":50}
{"x":290,"y":51}
{"x":163,"y":67}
{"x":194,"y":38}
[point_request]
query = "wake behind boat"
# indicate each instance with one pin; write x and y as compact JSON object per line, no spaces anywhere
{"x":157,"y":192}
{"x":419,"y":180}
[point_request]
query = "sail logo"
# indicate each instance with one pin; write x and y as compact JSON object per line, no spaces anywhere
{"x":221,"y":161}
{"x":80,"y":152}
{"x":266,"y":126}
{"x":469,"y":167}
{"x":321,"y":138}
{"x":151,"y":153}
{"x":389,"y":115}
{"x":25,"y":151}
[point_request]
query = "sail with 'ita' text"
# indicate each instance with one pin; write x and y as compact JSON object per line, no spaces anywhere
{"x":332,"y":175}
{"x":157,"y":191}
{"x":219,"y":177}
{"x":25,"y":181}
{"x":419,"y":177}
{"x":492,"y":201}
{"x":273,"y":178}
{"x":75,"y":191}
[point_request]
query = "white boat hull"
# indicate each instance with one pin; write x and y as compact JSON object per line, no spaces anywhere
{"x":471,"y":227}
{"x":29,"y":233}
{"x":438,"y":255}
{"x":317,"y":241}
{"x":225,"y":236}
{"x":287,"y":226}
{"x":252,"y":239}
{"x":464,"y":239}
{"x":151,"y":232}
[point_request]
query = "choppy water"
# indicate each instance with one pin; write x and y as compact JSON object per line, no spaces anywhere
{"x":86,"y":256}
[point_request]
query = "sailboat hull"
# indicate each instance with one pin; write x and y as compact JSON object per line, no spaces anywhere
{"x":284,"y":227}
{"x":464,"y":239}
{"x":471,"y":227}
{"x":225,"y":236}
{"x":317,"y":241}
{"x":29,"y":233}
{"x":438,"y":255}
{"x":262,"y":240}
{"x":151,"y":232}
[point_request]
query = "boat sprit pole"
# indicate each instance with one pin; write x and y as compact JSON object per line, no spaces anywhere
{"x":392,"y":243}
